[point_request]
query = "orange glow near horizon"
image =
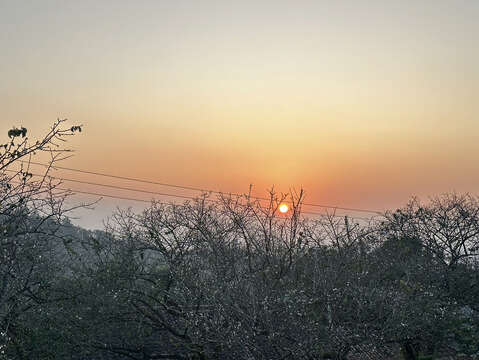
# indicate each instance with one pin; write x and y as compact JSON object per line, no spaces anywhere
{"x":361,"y":104}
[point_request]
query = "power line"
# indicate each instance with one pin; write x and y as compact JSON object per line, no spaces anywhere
{"x":124,"y":178}
{"x":155,"y":193}
{"x":195,"y":188}
{"x":117,"y":187}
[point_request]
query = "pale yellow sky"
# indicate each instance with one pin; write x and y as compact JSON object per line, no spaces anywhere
{"x":363,"y":103}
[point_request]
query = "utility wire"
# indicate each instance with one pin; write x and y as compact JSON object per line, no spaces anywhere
{"x":155,"y":193}
{"x":195,"y":188}
{"x":116,"y":187}
{"x":163,"y":194}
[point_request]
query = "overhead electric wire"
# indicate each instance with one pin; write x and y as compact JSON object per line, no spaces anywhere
{"x":74,"y":191}
{"x":118,"y":187}
{"x":105,"y":195}
{"x":195,"y":188}
{"x":123,"y":177}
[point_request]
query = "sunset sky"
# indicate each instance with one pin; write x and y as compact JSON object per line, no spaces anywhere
{"x":361,"y":103}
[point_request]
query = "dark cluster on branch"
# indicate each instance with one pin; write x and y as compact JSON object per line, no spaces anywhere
{"x":12,"y":133}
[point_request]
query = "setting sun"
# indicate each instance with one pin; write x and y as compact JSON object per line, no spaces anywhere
{"x":283,"y":208}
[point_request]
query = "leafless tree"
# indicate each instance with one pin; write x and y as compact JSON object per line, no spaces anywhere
{"x":31,"y":208}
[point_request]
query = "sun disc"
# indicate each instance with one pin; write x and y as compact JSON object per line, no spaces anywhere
{"x":283,"y":208}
